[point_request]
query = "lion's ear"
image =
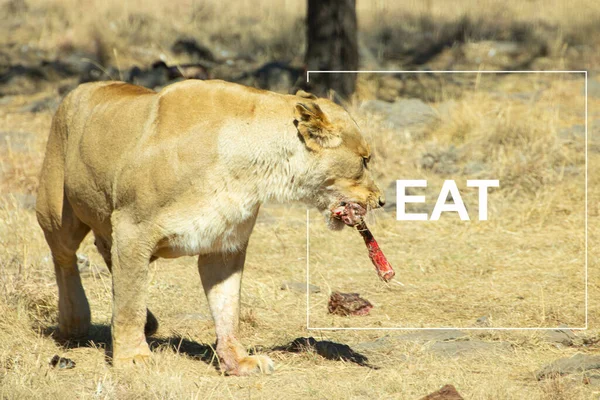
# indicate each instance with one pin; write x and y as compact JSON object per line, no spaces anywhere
{"x":306,"y":95}
{"x":315,"y":128}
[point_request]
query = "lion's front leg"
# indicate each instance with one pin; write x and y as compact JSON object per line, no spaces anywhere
{"x":221,"y":276}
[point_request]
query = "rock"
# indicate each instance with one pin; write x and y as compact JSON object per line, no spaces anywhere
{"x":94,"y":73}
{"x":158,"y":75}
{"x":49,"y":104}
{"x":61,"y":362}
{"x":422,"y":336}
{"x":573,"y":365}
{"x":446,"y":109}
{"x":300,"y":287}
{"x":6,"y":100}
{"x":593,"y":89}
{"x":483,"y":321}
{"x":384,"y":342}
{"x":526,"y":97}
{"x":560,"y":336}
{"x":44,"y":71}
{"x":412,"y":113}
{"x":428,"y":161}
{"x":474,"y":168}
{"x":379,"y":107}
{"x":501,"y":54}
{"x":83,"y":263}
{"x":412,"y":117}
{"x":155,"y":76}
{"x":440,"y":161}
{"x":80,"y":62}
{"x":190,"y":71}
{"x":277,"y":76}
{"x":592,"y":379}
{"x":568,"y":170}
{"x":86,"y":268}
{"x":437,"y":335}
{"x":575,"y":132}
{"x":193,"y":49}
{"x":454,"y":349}
{"x":447,"y":392}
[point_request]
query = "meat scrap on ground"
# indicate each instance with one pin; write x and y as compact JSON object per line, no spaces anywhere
{"x":345,"y":304}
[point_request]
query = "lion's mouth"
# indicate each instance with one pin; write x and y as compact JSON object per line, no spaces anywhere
{"x":349,"y":213}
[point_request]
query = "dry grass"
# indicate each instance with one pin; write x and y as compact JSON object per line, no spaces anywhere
{"x":456,"y":272}
{"x":522,"y":268}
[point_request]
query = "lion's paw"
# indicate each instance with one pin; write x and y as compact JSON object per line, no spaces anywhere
{"x":138,"y":356}
{"x":255,"y":365}
{"x":124,"y":362}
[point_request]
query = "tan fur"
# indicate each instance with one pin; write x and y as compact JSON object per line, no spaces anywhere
{"x":184,"y":172}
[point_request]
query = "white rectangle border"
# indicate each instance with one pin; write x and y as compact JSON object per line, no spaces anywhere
{"x":308,"y":327}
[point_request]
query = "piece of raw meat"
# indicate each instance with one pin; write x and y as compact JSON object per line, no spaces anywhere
{"x":352,"y":215}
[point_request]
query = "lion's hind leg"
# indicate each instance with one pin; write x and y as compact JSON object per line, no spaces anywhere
{"x":64,"y":239}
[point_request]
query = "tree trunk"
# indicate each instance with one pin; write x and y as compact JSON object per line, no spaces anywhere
{"x":332,"y":46}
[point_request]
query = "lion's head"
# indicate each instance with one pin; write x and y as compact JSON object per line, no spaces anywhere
{"x":339,"y":161}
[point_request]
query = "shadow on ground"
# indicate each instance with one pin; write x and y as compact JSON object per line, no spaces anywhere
{"x":99,"y":337}
{"x":329,"y":350}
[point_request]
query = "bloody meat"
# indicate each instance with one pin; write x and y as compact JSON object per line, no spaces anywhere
{"x":352,"y":215}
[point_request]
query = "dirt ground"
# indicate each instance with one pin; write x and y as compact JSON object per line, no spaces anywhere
{"x":524,"y":268}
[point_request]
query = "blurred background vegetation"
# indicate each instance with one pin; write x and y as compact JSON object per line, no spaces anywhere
{"x":269,"y":44}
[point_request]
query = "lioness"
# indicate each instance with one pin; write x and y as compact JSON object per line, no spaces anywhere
{"x":183,"y":172}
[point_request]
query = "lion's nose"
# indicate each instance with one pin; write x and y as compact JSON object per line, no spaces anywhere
{"x":381,"y":201}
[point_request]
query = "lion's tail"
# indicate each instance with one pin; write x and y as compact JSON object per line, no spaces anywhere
{"x":50,"y":195}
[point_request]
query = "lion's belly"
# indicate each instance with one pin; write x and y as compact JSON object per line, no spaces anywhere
{"x":207,"y":232}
